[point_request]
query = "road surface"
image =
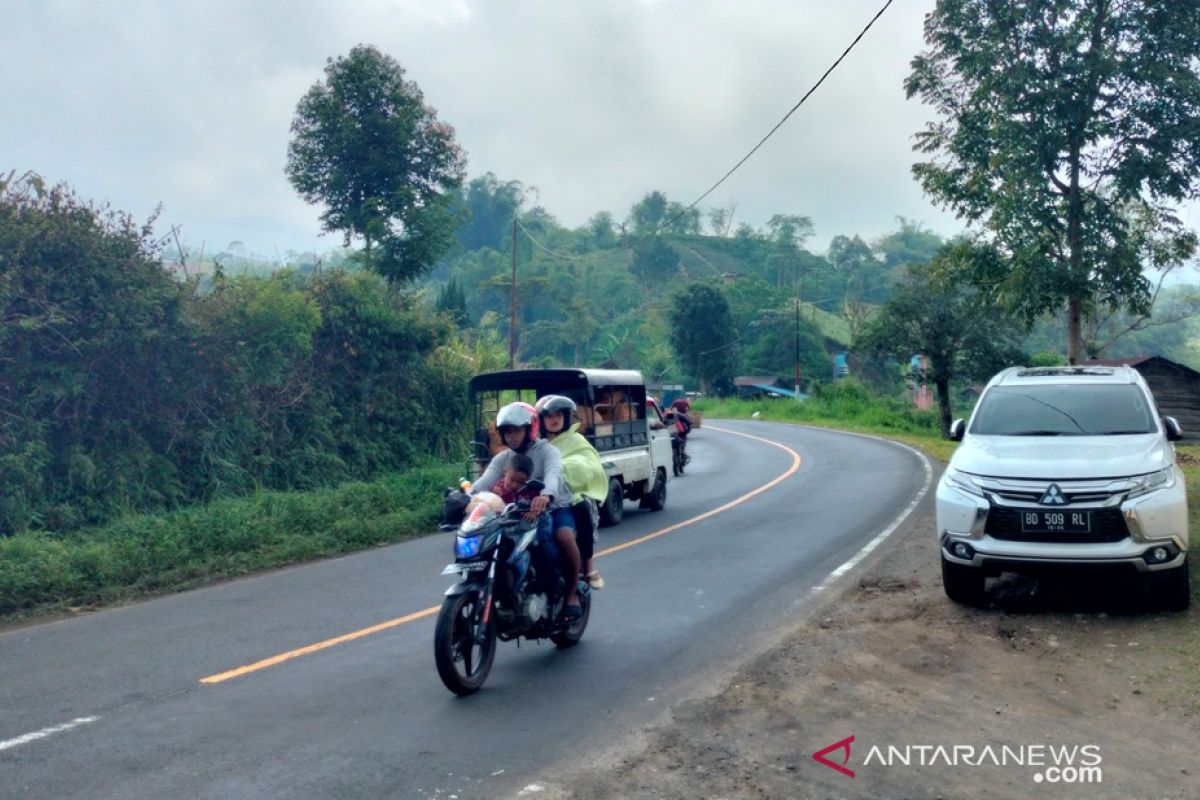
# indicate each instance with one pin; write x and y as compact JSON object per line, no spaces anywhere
{"x":318,"y":680}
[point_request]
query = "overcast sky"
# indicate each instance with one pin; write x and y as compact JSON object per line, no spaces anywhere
{"x":188,"y":103}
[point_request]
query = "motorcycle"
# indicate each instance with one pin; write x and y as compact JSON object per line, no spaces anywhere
{"x":679,"y":456}
{"x":510,"y":587}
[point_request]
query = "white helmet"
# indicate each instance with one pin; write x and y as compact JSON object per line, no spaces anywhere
{"x":519,"y":415}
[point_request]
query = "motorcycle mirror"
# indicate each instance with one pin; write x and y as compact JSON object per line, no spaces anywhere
{"x":534,"y":485}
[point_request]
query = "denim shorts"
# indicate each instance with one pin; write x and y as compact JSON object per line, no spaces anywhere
{"x":553,"y":520}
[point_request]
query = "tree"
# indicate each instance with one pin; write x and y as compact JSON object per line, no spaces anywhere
{"x":601,"y":227}
{"x":789,"y":230}
{"x":648,"y":214}
{"x":720,"y":219}
{"x":770,"y":345}
{"x":955,"y":325}
{"x":452,"y":301}
{"x":491,"y":206}
{"x":703,"y":334}
{"x":366,"y":145}
{"x":682,"y":220}
{"x":654,"y":261}
{"x":912,"y":244}
{"x":1068,"y":132}
{"x":863,"y":278}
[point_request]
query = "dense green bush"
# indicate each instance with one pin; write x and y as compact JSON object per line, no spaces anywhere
{"x":126,"y":389}
{"x":152,"y":553}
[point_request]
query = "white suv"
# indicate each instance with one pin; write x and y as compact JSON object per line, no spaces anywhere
{"x":1062,"y":467}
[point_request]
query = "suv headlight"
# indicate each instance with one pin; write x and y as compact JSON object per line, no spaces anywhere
{"x":963,"y":482}
{"x":1163,"y":479}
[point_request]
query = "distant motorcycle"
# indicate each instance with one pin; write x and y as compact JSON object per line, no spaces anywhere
{"x":510,"y":586}
{"x":679,"y":427}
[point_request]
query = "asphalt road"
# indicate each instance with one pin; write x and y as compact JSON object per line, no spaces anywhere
{"x":111,"y":704}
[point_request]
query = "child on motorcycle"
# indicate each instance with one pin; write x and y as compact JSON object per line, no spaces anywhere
{"x":511,"y":487}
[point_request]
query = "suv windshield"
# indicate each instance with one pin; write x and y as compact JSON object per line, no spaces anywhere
{"x":1064,"y":410}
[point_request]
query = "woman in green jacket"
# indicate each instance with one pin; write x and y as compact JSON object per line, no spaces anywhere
{"x":582,"y":471}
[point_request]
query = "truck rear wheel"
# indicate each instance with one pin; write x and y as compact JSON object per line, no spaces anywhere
{"x":613,"y":510}
{"x":656,"y":498}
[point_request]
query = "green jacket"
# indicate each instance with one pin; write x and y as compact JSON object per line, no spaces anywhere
{"x":581,"y":467}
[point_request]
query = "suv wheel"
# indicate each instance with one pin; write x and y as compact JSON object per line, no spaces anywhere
{"x":1172,"y":588}
{"x":962,"y":584}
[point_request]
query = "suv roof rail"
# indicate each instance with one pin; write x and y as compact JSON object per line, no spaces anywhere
{"x":1065,"y":371}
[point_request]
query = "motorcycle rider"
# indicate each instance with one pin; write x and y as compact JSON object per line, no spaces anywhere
{"x":681,"y":426}
{"x":517,"y":424}
{"x":582,"y":470}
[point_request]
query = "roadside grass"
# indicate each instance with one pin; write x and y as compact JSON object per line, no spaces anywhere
{"x":846,"y":406}
{"x":156,"y":553}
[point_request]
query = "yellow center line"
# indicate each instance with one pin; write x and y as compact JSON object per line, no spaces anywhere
{"x":719,"y":509}
{"x":429,"y":612}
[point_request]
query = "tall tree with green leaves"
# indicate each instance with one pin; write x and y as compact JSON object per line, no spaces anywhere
{"x":1068,"y":130}
{"x":960,"y":330}
{"x":703,"y":335}
{"x":491,"y":205}
{"x":654,"y":262}
{"x":452,"y":301}
{"x":367,"y":146}
{"x":648,"y":214}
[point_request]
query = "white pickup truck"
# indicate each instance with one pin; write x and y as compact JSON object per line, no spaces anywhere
{"x":628,"y":434}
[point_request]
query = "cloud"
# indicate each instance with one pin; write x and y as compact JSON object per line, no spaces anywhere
{"x":189,"y":103}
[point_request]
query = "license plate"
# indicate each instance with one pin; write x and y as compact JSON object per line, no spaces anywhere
{"x":1056,"y":521}
{"x":465,"y":566}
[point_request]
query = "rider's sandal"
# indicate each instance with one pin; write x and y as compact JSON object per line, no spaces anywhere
{"x":571,"y":613}
{"x":595,"y":580}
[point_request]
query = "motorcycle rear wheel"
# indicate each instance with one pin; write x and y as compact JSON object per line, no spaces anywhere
{"x":464,"y":653}
{"x":571,"y":636}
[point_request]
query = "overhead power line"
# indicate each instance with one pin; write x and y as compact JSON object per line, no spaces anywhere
{"x":753,"y":150}
{"x":779,"y":124}
{"x":546,"y":249}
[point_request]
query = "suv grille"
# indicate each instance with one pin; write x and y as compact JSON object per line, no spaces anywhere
{"x":1108,"y":525}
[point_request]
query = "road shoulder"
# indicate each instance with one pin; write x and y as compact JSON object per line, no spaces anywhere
{"x":885,"y":657}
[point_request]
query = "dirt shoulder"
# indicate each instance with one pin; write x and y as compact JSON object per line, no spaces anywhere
{"x":887,"y":658}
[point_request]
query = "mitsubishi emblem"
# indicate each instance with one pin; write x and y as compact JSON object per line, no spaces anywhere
{"x":1053,"y":496}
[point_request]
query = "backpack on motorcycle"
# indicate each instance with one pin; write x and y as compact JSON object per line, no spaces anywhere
{"x":683,"y":424}
{"x":454,"y":507}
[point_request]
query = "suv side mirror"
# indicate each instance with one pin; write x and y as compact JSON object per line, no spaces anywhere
{"x":957,"y":429}
{"x":1174,"y":432}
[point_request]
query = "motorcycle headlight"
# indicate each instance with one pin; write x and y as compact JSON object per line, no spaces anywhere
{"x":1163,"y":479}
{"x":467,"y":546}
{"x":963,"y":482}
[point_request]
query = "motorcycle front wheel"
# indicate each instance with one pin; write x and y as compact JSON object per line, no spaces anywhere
{"x":463,"y":647}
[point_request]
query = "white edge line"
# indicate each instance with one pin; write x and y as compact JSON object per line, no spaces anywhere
{"x":44,"y":732}
{"x":890,"y":529}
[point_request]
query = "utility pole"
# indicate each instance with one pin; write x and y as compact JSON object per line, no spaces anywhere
{"x":799,"y":288}
{"x":512,"y":320}
{"x":797,"y":348}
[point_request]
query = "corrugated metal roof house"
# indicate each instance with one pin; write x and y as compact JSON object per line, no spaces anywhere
{"x":1176,"y":388}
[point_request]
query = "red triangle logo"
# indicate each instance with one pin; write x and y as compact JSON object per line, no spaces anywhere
{"x":844,"y":744}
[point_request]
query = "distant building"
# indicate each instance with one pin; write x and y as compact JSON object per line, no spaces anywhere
{"x":1176,"y":388}
{"x":970,"y":394}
